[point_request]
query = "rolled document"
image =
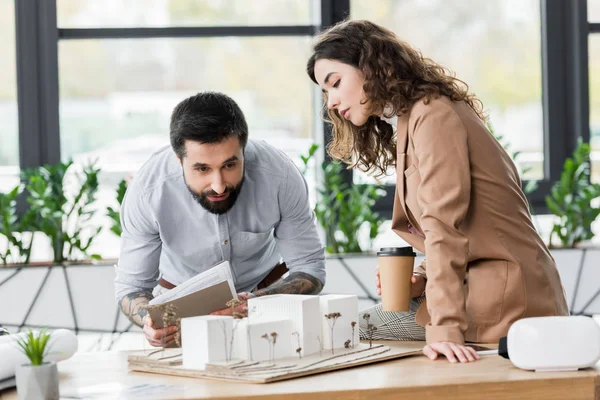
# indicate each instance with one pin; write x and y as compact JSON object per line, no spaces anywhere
{"x":62,"y":345}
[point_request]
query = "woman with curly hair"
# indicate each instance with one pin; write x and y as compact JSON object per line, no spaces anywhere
{"x":458,"y":194}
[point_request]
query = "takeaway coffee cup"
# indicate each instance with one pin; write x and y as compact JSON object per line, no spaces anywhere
{"x":395,"y":270}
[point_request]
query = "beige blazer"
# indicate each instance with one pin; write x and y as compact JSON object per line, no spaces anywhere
{"x":486,"y":265}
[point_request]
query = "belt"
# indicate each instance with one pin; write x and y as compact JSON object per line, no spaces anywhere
{"x":276,"y":273}
{"x":166,"y":284}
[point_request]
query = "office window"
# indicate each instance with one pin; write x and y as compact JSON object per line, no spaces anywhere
{"x":593,"y":10}
{"x":9,"y":128}
{"x":494,"y":46}
{"x":116,"y":96}
{"x":165,"y":13}
{"x":594,"y":81}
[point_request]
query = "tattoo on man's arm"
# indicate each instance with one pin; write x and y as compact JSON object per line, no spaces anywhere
{"x":133,"y":306}
{"x":295,"y":283}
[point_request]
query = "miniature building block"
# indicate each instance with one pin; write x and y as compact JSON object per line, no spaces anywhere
{"x":303,"y":311}
{"x":205,"y":339}
{"x":343,"y":332}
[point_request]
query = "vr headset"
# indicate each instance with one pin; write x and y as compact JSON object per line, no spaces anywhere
{"x":552,"y":343}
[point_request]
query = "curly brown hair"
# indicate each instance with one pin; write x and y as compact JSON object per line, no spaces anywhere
{"x":395,"y":75}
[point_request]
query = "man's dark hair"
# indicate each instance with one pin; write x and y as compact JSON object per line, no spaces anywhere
{"x":208,"y":117}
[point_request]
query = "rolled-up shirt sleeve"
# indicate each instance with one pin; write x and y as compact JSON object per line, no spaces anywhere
{"x":138,"y":266}
{"x":296,"y":233}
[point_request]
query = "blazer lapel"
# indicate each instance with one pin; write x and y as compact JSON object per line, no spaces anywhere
{"x":400,"y":217}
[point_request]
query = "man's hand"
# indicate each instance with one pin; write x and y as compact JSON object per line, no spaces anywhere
{"x":159,"y":337}
{"x":417,"y":286}
{"x":452,"y":351}
{"x":241,"y":309}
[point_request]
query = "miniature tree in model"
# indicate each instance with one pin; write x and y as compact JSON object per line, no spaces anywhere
{"x":248,"y":339}
{"x":331,"y":320}
{"x":169,"y":317}
{"x":233,"y":303}
{"x":271,"y":339}
{"x":320,"y":345}
{"x":299,"y":348}
{"x":370,"y":328}
{"x":224,"y":328}
{"x":268,"y":339}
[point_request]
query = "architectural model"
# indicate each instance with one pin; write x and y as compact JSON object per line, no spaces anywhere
{"x":277,"y":327}
{"x":283,"y":337}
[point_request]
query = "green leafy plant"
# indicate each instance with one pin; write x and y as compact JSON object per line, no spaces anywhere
{"x":12,"y":228}
{"x":343,"y":209}
{"x":64,"y":219}
{"x":312,"y":150}
{"x":34,"y":346}
{"x":570,"y":200}
{"x":115,"y":215}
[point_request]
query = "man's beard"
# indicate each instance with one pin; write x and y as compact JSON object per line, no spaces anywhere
{"x":217,"y":207}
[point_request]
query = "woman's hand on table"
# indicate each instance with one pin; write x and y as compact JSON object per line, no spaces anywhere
{"x":452,"y":351}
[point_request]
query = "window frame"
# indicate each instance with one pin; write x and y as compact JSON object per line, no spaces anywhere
{"x":565,"y":94}
{"x":38,"y":75}
{"x":564,"y":52}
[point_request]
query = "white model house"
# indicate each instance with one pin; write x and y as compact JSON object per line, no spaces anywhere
{"x":302,"y":310}
{"x":344,"y":334}
{"x":255,"y":341}
{"x":205,"y":339}
{"x":277,"y":326}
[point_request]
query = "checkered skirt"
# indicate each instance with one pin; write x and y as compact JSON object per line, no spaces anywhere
{"x":393,"y":325}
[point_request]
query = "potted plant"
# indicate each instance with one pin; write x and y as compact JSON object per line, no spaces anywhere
{"x":17,"y":249}
{"x":343,"y":211}
{"x":63,"y":208}
{"x":64,"y":219}
{"x":572,"y":201}
{"x":38,"y":379}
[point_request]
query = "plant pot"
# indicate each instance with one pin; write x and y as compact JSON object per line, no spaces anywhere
{"x":77,"y":296}
{"x":38,"y":382}
{"x":580,"y":276}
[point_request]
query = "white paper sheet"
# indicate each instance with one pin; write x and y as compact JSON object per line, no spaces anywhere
{"x":217,"y":274}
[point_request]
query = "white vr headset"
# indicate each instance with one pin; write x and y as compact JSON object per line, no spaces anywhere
{"x":552,"y":343}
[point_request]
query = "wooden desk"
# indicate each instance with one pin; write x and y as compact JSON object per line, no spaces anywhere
{"x":412,"y":378}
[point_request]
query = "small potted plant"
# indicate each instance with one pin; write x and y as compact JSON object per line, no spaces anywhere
{"x":38,"y":379}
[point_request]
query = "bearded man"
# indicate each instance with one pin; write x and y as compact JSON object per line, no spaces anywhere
{"x":214,"y":195}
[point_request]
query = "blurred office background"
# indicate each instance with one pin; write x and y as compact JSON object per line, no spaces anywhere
{"x":97,"y":80}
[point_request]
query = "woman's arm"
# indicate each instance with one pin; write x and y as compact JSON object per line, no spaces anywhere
{"x":440,"y":143}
